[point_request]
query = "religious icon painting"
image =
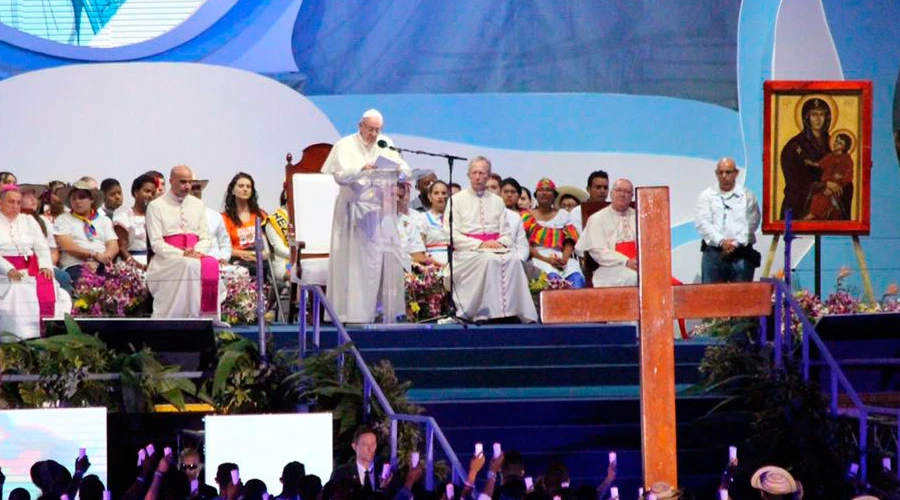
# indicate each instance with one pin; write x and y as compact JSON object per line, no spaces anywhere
{"x":817,"y":158}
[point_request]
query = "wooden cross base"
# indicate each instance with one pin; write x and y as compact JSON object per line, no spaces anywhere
{"x":655,"y":303}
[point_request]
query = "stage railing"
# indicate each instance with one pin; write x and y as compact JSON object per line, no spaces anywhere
{"x":785,"y":307}
{"x":108,"y":377}
{"x":370,"y":386}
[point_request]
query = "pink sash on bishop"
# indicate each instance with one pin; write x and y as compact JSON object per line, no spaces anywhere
{"x":209,"y":272}
{"x":46,"y":294}
{"x":484,"y":236}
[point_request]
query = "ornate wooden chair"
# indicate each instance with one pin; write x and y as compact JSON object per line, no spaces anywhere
{"x":310,"y":202}
{"x":588,"y":209}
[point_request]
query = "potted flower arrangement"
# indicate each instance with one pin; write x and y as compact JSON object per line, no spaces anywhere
{"x":844,"y":300}
{"x":121,"y":291}
{"x":239,"y":306}
{"x":545,"y":282}
{"x":426,"y":297}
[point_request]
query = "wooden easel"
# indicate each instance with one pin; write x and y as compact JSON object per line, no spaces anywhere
{"x":860,"y":258}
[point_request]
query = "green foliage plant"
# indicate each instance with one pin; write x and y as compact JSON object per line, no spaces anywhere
{"x":63,"y":364}
{"x":788,"y":419}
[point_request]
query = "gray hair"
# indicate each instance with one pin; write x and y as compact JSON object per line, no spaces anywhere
{"x":4,"y":192}
{"x":479,"y":158}
{"x":623,"y":179}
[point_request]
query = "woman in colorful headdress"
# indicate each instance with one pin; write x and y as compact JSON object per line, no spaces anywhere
{"x":552,"y":236}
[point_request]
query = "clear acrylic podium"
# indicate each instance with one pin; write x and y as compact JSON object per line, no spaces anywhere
{"x":380,"y":196}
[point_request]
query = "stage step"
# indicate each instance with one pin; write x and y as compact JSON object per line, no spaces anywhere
{"x":555,"y":393}
{"x":423,"y":336}
{"x":581,"y":433}
{"x":605,"y":392}
{"x":883,"y":399}
{"x":471,"y":376}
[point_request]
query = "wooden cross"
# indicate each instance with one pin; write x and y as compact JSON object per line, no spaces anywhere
{"x":655,"y":303}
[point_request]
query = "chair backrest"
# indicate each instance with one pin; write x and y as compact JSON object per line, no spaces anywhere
{"x":588,"y":209}
{"x":311,"y":195}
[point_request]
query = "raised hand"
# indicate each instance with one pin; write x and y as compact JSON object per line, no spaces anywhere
{"x":414,"y":475}
{"x":82,"y":464}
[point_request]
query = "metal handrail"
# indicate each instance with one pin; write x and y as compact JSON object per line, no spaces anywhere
{"x":836,"y":375}
{"x":27,"y":377}
{"x":370,"y":385}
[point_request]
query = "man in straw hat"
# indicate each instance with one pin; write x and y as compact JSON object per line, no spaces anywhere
{"x":776,"y":483}
{"x":182,"y":277}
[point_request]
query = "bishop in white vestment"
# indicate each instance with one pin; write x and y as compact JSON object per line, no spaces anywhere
{"x":365,"y":256}
{"x":609,"y":237}
{"x":488,"y":279}
{"x":182,"y":277}
{"x":28,"y":292}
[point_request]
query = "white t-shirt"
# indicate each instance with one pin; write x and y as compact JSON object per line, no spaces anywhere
{"x":136,"y":225}
{"x":51,"y":238}
{"x":67,"y":224}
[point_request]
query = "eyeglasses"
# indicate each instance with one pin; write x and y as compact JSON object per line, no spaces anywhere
{"x":190,"y":466}
{"x":371,"y":129}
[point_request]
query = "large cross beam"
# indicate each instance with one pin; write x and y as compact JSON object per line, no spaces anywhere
{"x":655,"y":304}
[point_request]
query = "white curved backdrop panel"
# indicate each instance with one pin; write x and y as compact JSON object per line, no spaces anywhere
{"x":119,"y":120}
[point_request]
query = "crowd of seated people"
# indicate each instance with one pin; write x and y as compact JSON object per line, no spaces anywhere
{"x":86,"y":226}
{"x":61,"y":229}
{"x":164,"y":473}
{"x":545,"y":228}
{"x":542,"y":234}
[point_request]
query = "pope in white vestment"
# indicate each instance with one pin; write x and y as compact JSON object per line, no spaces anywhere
{"x":365,"y":258}
{"x":182,"y":277}
{"x":28,"y":292}
{"x":488,"y":278}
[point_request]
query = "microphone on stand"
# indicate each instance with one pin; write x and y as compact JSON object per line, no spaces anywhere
{"x":384,"y":144}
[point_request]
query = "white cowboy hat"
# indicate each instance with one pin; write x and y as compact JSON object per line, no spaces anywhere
{"x":65,"y":191}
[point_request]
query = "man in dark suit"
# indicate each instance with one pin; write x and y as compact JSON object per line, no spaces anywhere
{"x":362,"y":469}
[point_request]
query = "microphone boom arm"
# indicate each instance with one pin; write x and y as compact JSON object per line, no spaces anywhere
{"x":384,"y":144}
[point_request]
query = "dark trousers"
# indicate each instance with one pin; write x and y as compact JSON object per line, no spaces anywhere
{"x":718,"y":268}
